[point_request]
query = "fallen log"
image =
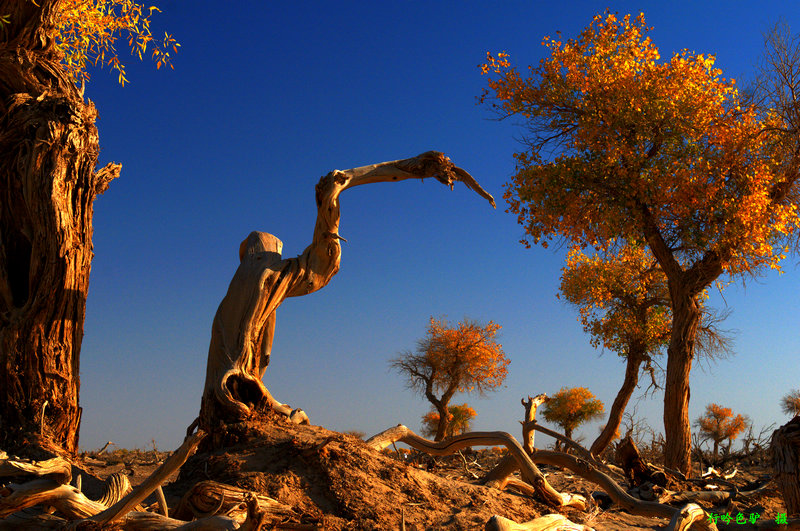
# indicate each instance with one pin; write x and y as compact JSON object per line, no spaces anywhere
{"x":550,"y":522}
{"x":56,"y":468}
{"x":528,"y":469}
{"x":209,"y":498}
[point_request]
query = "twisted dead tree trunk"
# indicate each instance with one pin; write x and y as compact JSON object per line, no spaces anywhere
{"x":48,"y":183}
{"x":244,"y":326}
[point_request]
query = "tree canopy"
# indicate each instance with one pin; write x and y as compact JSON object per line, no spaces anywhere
{"x":459,"y":419}
{"x":623,"y":299}
{"x":625,"y":145}
{"x":719,"y":424}
{"x":571,"y":407}
{"x":626,"y":148}
{"x":466,"y":358}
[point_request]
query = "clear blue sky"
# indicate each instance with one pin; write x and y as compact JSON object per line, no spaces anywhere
{"x":265,"y":99}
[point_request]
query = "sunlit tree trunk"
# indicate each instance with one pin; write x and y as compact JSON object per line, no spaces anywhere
{"x":685,"y":321}
{"x":634,"y":361}
{"x":49,"y":147}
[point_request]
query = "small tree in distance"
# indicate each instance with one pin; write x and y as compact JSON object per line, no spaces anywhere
{"x":790,"y":404}
{"x":719,"y":424}
{"x":571,"y":407}
{"x":465,"y":359}
{"x":459,"y":418}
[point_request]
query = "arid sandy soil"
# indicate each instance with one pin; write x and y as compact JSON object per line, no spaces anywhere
{"x":335,"y":482}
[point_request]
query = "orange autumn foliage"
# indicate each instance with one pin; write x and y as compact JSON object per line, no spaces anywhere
{"x":571,"y":407}
{"x":623,"y":299}
{"x":639,"y":140}
{"x":87,"y":30}
{"x":466,"y":358}
{"x":719,"y":424}
{"x":459,"y":418}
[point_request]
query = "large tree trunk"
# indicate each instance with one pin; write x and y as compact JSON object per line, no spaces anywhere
{"x":49,"y":147}
{"x":685,"y":321}
{"x":634,"y":360}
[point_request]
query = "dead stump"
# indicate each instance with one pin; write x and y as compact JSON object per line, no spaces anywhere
{"x":785,"y":449}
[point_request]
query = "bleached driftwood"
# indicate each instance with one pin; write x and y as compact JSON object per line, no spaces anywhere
{"x":53,"y":491}
{"x":691,"y":516}
{"x":244,"y":325}
{"x":530,"y":416}
{"x":550,"y":522}
{"x":500,"y":476}
{"x":528,"y":469}
{"x":211,"y":498}
{"x":57,"y":468}
{"x":73,"y":504}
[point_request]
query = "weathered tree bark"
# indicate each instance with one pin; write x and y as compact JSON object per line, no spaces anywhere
{"x":211,"y":498}
{"x":686,"y":315}
{"x":633,"y":361}
{"x":48,"y":183}
{"x":785,"y":449}
{"x":117,"y":503}
{"x":244,"y":326}
{"x":530,"y":417}
{"x":637,"y":471}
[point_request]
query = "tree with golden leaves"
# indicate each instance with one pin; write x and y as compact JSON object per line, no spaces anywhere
{"x":626,"y":147}
{"x":49,"y":181}
{"x":459,"y":418}
{"x":790,"y":403}
{"x":624,"y":305}
{"x":466,"y":358}
{"x":571,"y":407}
{"x":719,"y":424}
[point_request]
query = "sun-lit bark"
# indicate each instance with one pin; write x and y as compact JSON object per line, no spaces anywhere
{"x":48,"y":182}
{"x":244,"y":325}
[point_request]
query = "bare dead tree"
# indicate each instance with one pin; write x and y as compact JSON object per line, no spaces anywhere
{"x":244,"y":325}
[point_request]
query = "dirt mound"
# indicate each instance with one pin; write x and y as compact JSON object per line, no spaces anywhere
{"x":336,"y":480}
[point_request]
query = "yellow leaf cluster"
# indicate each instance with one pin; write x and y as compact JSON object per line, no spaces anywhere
{"x":621,"y":139}
{"x":468,"y":354}
{"x":459,"y":417}
{"x":571,"y":407}
{"x":623,"y":299}
{"x":719,"y":424}
{"x":86,"y":32}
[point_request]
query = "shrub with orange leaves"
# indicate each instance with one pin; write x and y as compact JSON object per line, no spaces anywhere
{"x":466,"y":358}
{"x":624,"y":147}
{"x":459,"y":418}
{"x":719,"y":424}
{"x":571,"y":407}
{"x":86,"y":31}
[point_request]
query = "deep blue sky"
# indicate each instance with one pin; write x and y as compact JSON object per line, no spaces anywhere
{"x":265,"y":99}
